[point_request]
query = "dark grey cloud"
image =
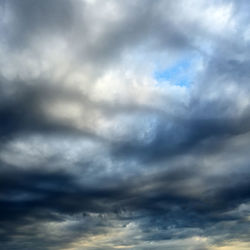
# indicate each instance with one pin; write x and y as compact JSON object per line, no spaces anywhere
{"x":161,"y":205}
{"x":32,"y":19}
{"x":22,"y":111}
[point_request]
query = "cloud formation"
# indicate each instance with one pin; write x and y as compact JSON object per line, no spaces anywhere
{"x":96,"y":152}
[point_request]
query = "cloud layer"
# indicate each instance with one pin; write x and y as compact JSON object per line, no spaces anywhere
{"x":124,"y":124}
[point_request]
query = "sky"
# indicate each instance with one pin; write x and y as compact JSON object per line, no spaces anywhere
{"x":124,"y":124}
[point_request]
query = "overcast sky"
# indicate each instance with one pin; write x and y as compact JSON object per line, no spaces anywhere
{"x":124,"y":124}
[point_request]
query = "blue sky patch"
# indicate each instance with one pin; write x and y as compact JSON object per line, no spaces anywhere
{"x":180,"y":73}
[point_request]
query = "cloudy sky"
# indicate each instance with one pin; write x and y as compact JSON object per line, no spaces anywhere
{"x":124,"y":124}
